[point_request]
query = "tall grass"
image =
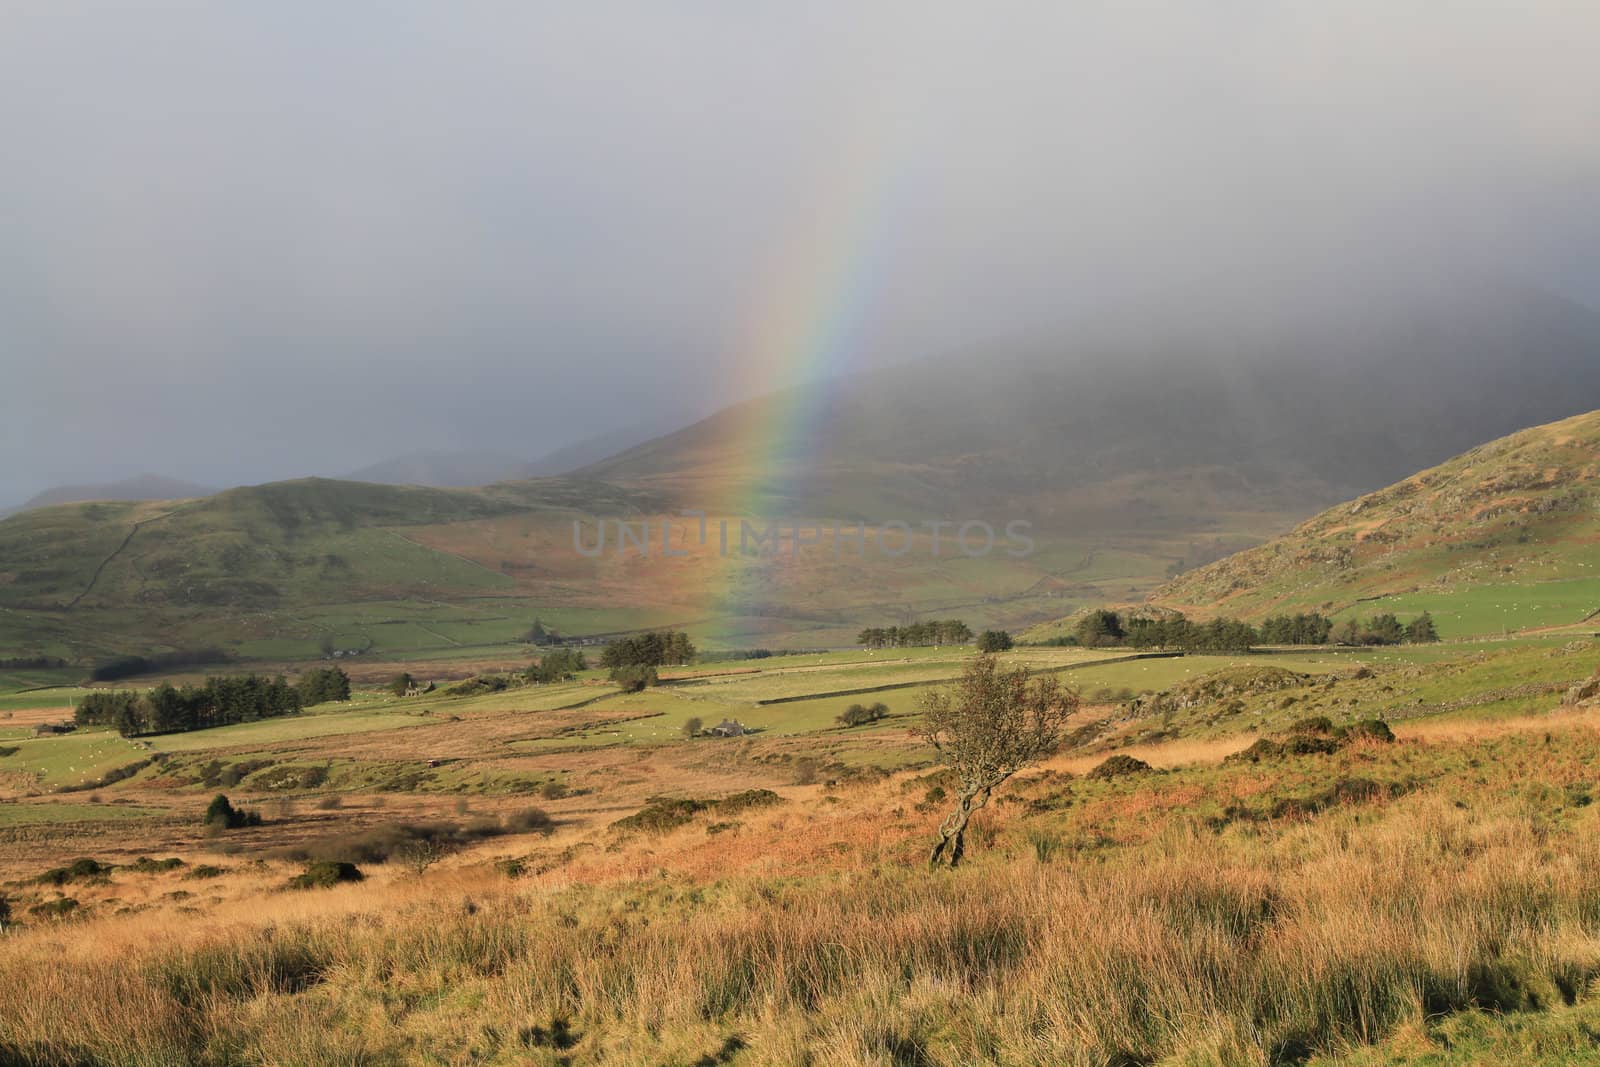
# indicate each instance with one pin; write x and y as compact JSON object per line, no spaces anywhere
{"x":1220,"y":948}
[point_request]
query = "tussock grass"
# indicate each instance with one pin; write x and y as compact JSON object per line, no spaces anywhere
{"x":1333,"y":918}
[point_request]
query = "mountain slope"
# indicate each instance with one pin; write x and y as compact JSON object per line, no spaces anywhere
{"x":1133,"y":455}
{"x":1503,"y":537}
{"x":142,"y":487}
{"x":1262,"y":408}
{"x":443,"y":470}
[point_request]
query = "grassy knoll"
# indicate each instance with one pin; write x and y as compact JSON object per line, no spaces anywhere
{"x":1499,"y":539}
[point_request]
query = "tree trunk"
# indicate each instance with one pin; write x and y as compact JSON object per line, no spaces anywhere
{"x":953,"y":831}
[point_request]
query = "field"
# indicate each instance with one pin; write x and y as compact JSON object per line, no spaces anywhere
{"x":1427,"y":900}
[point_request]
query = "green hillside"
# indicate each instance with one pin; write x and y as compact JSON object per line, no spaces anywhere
{"x":264,"y":562}
{"x":1503,"y":538}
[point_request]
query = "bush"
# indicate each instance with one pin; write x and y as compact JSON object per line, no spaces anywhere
{"x":861,"y":714}
{"x":994,"y":641}
{"x":660,"y":815}
{"x":554,"y":790}
{"x":146,"y":865}
{"x":1118,"y":767}
{"x":484,"y":683}
{"x":5,"y":913}
{"x":60,"y":908}
{"x":383,"y":843}
{"x":325,"y":874}
{"x":634,"y":678}
{"x":692,"y":726}
{"x":222,"y":815}
{"x":80,"y":870}
{"x":1367,"y":730}
{"x":1316,"y":724}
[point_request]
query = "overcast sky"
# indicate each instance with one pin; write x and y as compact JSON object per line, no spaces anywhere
{"x":249,"y":241}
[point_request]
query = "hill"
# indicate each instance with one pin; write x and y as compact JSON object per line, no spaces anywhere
{"x":142,"y":487}
{"x":1134,"y":457}
{"x":443,"y":470}
{"x":1254,"y":406}
{"x":1500,"y":538}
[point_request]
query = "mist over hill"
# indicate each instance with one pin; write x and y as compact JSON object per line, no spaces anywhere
{"x":1138,"y":449}
{"x":1280,"y":405}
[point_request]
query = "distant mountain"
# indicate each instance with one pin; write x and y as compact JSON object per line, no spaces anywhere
{"x":1500,"y":538}
{"x":443,"y":470}
{"x":602,"y":446}
{"x":466,"y":468}
{"x":143,"y":487}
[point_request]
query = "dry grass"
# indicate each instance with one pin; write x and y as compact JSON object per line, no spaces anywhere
{"x":809,"y":933}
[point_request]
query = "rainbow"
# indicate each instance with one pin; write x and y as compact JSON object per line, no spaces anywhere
{"x":808,"y":325}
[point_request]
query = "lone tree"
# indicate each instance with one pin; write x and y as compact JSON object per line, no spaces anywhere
{"x":989,"y":726}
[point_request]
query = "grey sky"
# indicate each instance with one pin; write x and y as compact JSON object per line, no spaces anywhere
{"x":250,"y":241}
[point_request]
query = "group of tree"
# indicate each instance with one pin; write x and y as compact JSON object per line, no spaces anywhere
{"x":559,"y":665}
{"x":1386,"y":629}
{"x":31,"y":663}
{"x":1109,"y":629}
{"x":1303,"y":629}
{"x":322,"y":684}
{"x":656,"y":649}
{"x":1177,"y":632}
{"x":861,"y":714}
{"x":917,"y":634}
{"x":1106,"y":629}
{"x":172,"y":709}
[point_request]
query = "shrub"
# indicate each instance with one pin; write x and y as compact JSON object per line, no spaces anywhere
{"x":325,"y":874}
{"x":5,"y":913}
{"x":222,"y":815}
{"x":634,"y":678}
{"x":861,"y":714}
{"x":994,"y":641}
{"x":206,"y":871}
{"x":554,"y":789}
{"x":80,"y":870}
{"x":750,"y":798}
{"x":1316,"y":724}
{"x":146,"y":865}
{"x":660,"y":815}
{"x":1367,"y":730}
{"x":382,"y":843}
{"x":1119,"y":766}
{"x":60,"y":908}
{"x":692,"y":726}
